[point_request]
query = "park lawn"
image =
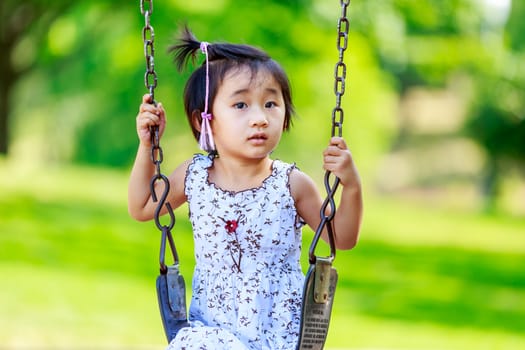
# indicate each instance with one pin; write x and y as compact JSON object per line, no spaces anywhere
{"x":77,"y":272}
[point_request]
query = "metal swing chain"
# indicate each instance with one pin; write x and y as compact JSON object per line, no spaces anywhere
{"x":343,"y":26}
{"x":150,"y":81}
{"x":148,"y":36}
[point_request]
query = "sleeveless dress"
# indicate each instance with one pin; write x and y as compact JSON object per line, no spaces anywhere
{"x":247,"y":284}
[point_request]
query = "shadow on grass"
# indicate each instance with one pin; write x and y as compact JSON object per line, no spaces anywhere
{"x":441,"y":285}
{"x":444,"y":285}
{"x":85,"y":236}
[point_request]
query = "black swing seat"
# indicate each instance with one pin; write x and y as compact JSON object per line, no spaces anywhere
{"x":316,"y":310}
{"x":171,"y":292}
{"x":318,"y":297}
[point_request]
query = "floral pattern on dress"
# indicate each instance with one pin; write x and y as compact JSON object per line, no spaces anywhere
{"x":247,"y":284}
{"x":233,"y":245}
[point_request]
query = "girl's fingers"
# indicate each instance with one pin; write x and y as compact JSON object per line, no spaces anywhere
{"x":146,"y":99}
{"x":147,"y":119}
{"x":338,"y":159}
{"x":149,"y":115}
{"x":332,"y":159}
{"x":147,"y":108}
{"x":338,"y":142}
{"x":336,"y":147}
{"x":331,"y":151}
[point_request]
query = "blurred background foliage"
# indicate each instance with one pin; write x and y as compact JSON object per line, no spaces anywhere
{"x":425,"y":77}
{"x":434,"y":115}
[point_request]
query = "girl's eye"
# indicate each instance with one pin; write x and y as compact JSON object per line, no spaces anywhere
{"x":270,"y":104}
{"x":240,"y":105}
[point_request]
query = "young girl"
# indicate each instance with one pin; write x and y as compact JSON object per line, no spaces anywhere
{"x":246,"y":209}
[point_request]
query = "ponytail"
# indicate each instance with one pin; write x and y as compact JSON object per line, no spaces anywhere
{"x":188,"y":47}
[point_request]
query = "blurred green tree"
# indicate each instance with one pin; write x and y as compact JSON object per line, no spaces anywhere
{"x":426,"y":43}
{"x":497,"y":121}
{"x":22,"y":24}
{"x":89,"y":56}
{"x":515,"y":27}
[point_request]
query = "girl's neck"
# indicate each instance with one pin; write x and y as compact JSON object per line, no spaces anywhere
{"x":234,"y":175}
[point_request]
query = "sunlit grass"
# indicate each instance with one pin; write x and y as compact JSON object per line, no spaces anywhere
{"x":77,"y":272}
{"x":46,"y":307}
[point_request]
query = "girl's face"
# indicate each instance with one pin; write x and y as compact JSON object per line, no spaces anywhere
{"x":248,"y":114}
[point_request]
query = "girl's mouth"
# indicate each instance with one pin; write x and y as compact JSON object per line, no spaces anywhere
{"x":258,"y":139}
{"x":258,"y":136}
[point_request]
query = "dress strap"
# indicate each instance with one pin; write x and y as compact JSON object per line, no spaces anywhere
{"x":197,"y":173}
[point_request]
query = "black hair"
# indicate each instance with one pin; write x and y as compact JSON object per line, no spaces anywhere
{"x":223,"y":57}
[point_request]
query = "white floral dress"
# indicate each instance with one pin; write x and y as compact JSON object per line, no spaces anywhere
{"x":247,"y":283}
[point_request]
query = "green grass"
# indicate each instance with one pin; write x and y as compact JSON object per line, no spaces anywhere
{"x":77,"y":272}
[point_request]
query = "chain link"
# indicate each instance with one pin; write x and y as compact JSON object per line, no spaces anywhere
{"x":327,"y":216}
{"x":150,"y":81}
{"x":148,"y":36}
{"x":343,"y":26}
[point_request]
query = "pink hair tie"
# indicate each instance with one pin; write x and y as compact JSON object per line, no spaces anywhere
{"x":206,"y":142}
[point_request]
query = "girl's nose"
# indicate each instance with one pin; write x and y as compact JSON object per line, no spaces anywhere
{"x":259,"y":119}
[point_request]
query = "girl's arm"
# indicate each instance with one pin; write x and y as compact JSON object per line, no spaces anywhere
{"x":347,"y":220}
{"x":140,"y":204}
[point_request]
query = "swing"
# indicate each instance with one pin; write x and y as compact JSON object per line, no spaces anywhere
{"x":321,"y":278}
{"x":171,"y":288}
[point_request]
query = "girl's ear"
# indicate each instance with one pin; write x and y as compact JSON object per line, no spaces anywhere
{"x":196,"y":120}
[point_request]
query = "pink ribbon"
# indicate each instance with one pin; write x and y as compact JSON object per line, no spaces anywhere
{"x":206,"y":142}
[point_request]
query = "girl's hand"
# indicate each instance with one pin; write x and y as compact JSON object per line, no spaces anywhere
{"x":338,"y":160}
{"x":149,"y":115}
